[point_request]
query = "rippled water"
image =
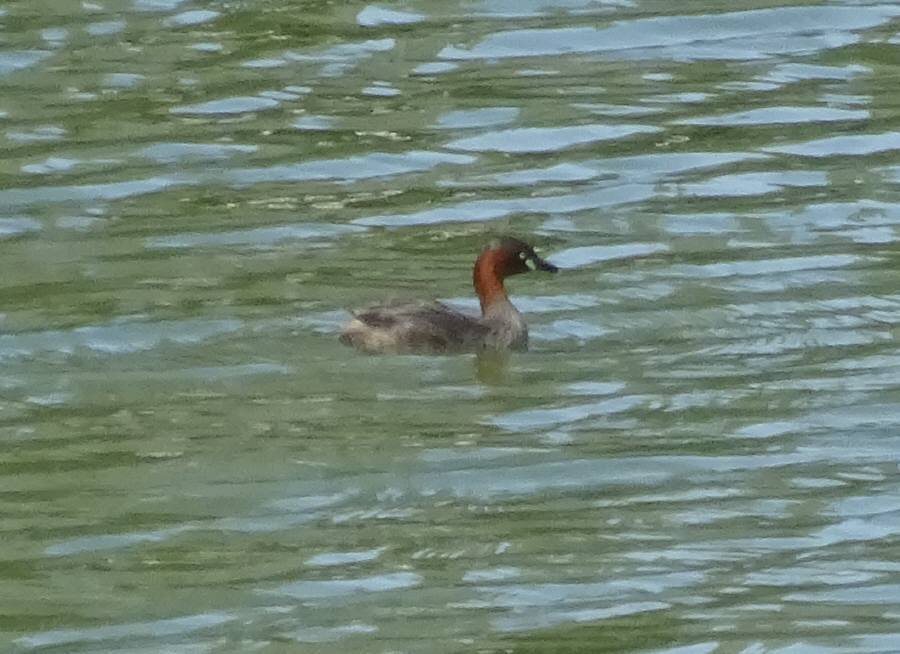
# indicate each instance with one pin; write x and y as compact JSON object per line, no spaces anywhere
{"x":699,"y":453}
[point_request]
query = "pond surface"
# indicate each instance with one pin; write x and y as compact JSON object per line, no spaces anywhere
{"x":700,"y":451}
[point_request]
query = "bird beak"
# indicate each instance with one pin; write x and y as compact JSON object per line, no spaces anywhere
{"x":542,"y":264}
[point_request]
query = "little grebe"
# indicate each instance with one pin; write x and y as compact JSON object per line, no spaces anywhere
{"x":434,"y":328}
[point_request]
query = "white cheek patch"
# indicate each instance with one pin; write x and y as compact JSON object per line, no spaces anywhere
{"x":531,"y":264}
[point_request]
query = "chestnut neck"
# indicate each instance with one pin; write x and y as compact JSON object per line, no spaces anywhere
{"x":488,"y":278}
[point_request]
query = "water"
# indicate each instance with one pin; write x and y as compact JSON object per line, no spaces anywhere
{"x":700,"y":452}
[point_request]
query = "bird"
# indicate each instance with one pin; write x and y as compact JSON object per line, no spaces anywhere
{"x":431,"y":327}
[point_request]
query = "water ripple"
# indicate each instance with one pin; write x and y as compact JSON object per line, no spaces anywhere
{"x":547,"y":139}
{"x":120,"y":338}
{"x":143,"y":630}
{"x":327,"y":589}
{"x":22,"y":197}
{"x":483,"y":210}
{"x":375,"y":164}
{"x":702,"y":439}
{"x":259,"y":237}
{"x":779,"y":115}
{"x":778,"y":30}
{"x":375,"y":16}
{"x":234,"y":105}
{"x":854,"y":145}
{"x":13,"y":61}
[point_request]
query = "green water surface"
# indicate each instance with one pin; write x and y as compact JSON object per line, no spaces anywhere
{"x":699,"y":454}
